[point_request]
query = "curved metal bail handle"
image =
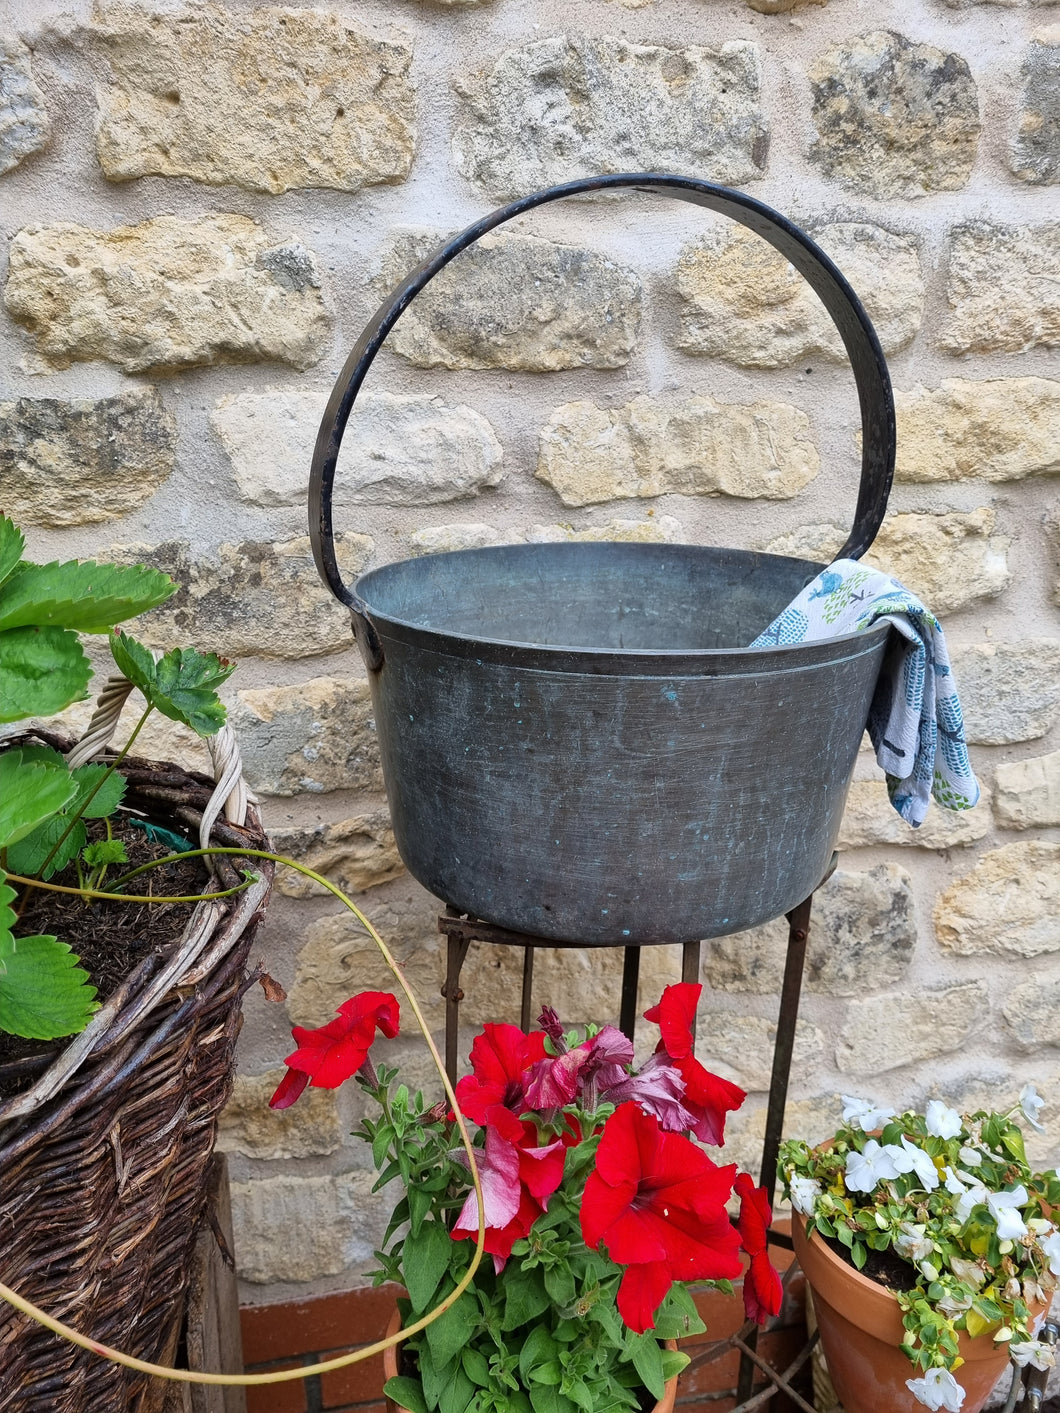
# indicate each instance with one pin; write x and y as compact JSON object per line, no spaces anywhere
{"x":859,"y":338}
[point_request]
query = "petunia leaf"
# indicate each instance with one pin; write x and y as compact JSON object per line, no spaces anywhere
{"x":646,"y":1354}
{"x":42,"y":670}
{"x":458,"y":1392}
{"x":406,"y":1393}
{"x":83,"y":595}
{"x":44,"y":994}
{"x":12,"y":544}
{"x":426,"y":1259}
{"x":181,"y":685}
{"x":449,"y":1334}
{"x":31,"y":789}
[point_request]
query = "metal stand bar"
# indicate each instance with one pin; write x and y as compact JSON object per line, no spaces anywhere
{"x":528,"y":987}
{"x":690,"y":955}
{"x":627,"y":1011}
{"x":455,"y":952}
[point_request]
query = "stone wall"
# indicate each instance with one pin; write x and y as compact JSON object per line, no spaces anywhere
{"x":201,"y":208}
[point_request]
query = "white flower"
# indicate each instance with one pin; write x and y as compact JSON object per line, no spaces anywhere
{"x":953,"y":1305}
{"x":937,"y":1389}
{"x":942,"y":1121}
{"x":911,"y":1243}
{"x":917,"y":1161}
{"x":1004,"y":1208}
{"x":972,"y":1197}
{"x":804,"y":1194}
{"x":1032,"y":1351}
{"x":1032,"y":1104}
{"x":1051,"y":1247}
{"x":970,"y":1272}
{"x":865,"y":1170}
{"x":866,"y":1115}
{"x":970,"y":1157}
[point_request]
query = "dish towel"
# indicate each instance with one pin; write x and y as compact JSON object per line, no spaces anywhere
{"x":915,"y":722}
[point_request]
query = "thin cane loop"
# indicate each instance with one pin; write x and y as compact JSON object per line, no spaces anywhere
{"x":191,"y":1376}
{"x":104,"y":722}
{"x":230,"y":793}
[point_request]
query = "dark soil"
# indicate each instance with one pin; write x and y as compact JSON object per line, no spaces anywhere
{"x":111,"y":938}
{"x":883,"y":1267}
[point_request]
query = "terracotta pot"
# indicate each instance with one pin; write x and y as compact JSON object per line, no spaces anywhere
{"x":390,"y":1368}
{"x":861,"y":1332}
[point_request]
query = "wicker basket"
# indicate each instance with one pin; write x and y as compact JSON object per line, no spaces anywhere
{"x":104,"y":1158}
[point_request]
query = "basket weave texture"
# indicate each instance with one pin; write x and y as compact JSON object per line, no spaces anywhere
{"x":103,"y":1184}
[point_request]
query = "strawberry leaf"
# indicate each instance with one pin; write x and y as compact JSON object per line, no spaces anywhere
{"x":11,"y":546}
{"x":181,"y":685}
{"x":42,"y":670}
{"x":31,"y":790}
{"x":44,"y":994}
{"x":86,"y":596}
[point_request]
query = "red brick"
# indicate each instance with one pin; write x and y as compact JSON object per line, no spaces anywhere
{"x":339,"y":1321}
{"x":357,"y":1383}
{"x":288,"y":1397}
{"x":360,"y":1408}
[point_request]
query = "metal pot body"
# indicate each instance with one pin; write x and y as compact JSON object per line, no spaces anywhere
{"x":577,"y":743}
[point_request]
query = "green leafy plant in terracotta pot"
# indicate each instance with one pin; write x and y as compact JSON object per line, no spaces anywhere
{"x":600,"y":1205}
{"x":930,"y":1248}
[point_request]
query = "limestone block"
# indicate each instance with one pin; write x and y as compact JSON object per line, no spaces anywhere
{"x":894,"y":118}
{"x":742,"y":301}
{"x":317,"y":736}
{"x":1008,"y":904}
{"x":740,"y":1048}
{"x":396,"y":450}
{"x":996,"y":429}
{"x":862,"y":937}
{"x":437,"y":539}
{"x":270,"y":99}
{"x":515,"y":302}
{"x":1007,"y":4}
{"x":871,"y":819}
{"x":781,"y":7}
{"x":355,"y":854}
{"x":885,"y":1032}
{"x":659,"y":530}
{"x":247,"y":1124}
{"x":301,"y":1228}
{"x":590,"y":454}
{"x":1002,"y":288}
{"x":81,"y":461}
{"x":1028,"y":792}
{"x":1052,"y":530}
{"x":1009,"y":691}
{"x":1035,"y":152}
{"x":24,"y":124}
{"x":338,"y":959}
{"x":1033,"y":1013}
{"x":255,"y":599}
{"x":949,"y":560}
{"x":172,"y":292}
{"x":575,"y":106}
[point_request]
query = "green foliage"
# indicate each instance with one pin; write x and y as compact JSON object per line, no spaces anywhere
{"x":44,"y":994}
{"x":181,"y":685}
{"x":43,"y":805}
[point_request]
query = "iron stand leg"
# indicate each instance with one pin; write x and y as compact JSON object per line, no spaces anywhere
{"x":528,"y":986}
{"x":798,"y":932}
{"x":627,"y":1011}
{"x":455,"y":951}
{"x":690,"y":955}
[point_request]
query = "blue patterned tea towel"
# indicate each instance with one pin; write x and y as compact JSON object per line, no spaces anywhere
{"x":915,"y":720}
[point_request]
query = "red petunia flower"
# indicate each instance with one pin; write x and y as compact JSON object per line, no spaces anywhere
{"x":707,"y":1097}
{"x":500,"y":1057}
{"x":762,"y":1289}
{"x":518,"y":1176}
{"x":657,"y":1203}
{"x":330,"y":1054}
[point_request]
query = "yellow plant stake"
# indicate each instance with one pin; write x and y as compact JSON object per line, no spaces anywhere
{"x":191,"y":1376}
